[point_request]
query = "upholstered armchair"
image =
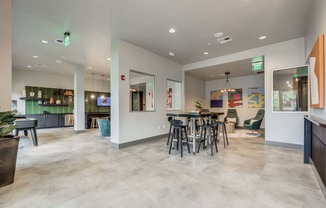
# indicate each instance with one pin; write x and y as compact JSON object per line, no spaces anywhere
{"x":254,"y":123}
{"x":232,"y":116}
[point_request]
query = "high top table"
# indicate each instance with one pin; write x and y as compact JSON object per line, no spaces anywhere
{"x":193,"y":117}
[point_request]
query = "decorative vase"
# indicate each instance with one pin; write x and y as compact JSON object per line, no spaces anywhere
{"x":39,"y":94}
{"x":32,"y":94}
{"x":51,"y":100}
{"x":58,"y":102}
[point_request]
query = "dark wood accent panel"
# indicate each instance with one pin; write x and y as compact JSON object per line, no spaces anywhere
{"x":319,"y":132}
{"x":318,"y":156}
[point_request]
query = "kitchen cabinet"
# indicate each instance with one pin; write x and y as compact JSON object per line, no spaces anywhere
{"x":46,"y":120}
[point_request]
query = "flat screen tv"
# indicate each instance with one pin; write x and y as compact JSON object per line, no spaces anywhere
{"x":103,"y":101}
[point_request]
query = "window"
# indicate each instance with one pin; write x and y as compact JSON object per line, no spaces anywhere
{"x":290,"y":89}
{"x":142,"y":91}
{"x":173,"y":95}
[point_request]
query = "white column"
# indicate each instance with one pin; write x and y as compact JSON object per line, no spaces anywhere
{"x":79,"y":99}
{"x":5,"y":54}
{"x":115,"y":97}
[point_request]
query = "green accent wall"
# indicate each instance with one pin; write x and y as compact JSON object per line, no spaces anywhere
{"x":33,"y":107}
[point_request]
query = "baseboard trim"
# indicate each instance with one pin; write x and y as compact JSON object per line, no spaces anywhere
{"x":79,"y":131}
{"x":286,"y":145}
{"x":128,"y":144}
{"x":319,"y":181}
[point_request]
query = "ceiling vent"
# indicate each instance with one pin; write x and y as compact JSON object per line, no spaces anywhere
{"x":224,"y":39}
{"x":59,"y":41}
{"x":41,"y":65}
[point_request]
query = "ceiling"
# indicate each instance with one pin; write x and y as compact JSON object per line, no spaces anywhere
{"x":236,"y":69}
{"x":93,"y":24}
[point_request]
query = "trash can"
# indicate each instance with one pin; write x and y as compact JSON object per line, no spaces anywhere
{"x":104,"y":127}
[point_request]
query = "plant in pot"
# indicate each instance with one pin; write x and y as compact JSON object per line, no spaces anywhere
{"x":8,"y":148}
{"x":199,"y":106}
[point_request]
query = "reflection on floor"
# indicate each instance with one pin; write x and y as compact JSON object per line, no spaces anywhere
{"x":68,"y":170}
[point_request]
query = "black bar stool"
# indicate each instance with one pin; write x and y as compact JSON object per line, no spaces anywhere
{"x":170,"y":131}
{"x":177,"y":135}
{"x":211,"y":129}
{"x":225,"y":135}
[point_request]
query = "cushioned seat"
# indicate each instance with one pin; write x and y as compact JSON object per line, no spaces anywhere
{"x":254,"y":123}
{"x":232,"y":116}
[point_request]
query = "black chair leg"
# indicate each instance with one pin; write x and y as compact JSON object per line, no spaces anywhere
{"x":172,"y":140}
{"x":226,"y":136}
{"x":199,"y":141}
{"x":215,"y":138}
{"x":181,"y":143}
{"x":167,"y":143}
{"x":187,"y":140}
{"x":34,"y":136}
{"x":211,"y":141}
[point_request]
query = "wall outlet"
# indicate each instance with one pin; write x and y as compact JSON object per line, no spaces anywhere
{"x":159,"y":127}
{"x":163,"y":126}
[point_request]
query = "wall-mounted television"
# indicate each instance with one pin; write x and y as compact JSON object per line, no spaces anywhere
{"x":103,"y":101}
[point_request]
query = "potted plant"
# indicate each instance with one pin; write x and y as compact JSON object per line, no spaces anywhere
{"x":8,"y":148}
{"x":199,"y":106}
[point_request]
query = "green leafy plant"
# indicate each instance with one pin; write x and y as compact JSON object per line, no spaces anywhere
{"x":198,"y":104}
{"x":6,"y":123}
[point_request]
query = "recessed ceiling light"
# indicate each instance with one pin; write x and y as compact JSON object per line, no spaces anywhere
{"x":205,"y":53}
{"x":35,"y":56}
{"x":44,"y":41}
{"x":208,"y":43}
{"x":89,"y":67}
{"x":29,"y":66}
{"x":171,"y":54}
{"x":63,"y":57}
{"x":262,"y":37}
{"x":218,"y":34}
{"x":109,"y":59}
{"x":108,"y":78}
{"x":172,"y":30}
{"x":58,"y":61}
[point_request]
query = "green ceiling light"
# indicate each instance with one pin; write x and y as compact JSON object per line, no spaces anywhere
{"x":67,"y":38}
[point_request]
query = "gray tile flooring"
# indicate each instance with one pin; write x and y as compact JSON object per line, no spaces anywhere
{"x":68,"y":170}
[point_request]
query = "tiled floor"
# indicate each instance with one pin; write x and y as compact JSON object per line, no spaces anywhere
{"x":68,"y":170}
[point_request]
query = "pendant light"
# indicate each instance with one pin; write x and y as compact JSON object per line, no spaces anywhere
{"x":102,"y":87}
{"x":227,"y":86}
{"x":92,"y":95}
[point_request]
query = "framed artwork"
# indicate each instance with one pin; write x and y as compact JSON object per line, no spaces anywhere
{"x":216,"y":99}
{"x":169,"y":98}
{"x":256,"y":97}
{"x":235,"y":98}
{"x":317,"y":83}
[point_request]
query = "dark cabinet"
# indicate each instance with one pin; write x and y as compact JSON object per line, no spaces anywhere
{"x":46,"y":120}
{"x":61,"y":120}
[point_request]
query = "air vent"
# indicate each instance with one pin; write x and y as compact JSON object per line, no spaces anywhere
{"x":59,"y":41}
{"x":41,"y":65}
{"x":224,"y":39}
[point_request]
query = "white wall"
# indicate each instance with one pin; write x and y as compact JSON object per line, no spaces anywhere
{"x":238,"y":82}
{"x":5,"y":54}
{"x":279,"y":127}
{"x":194,"y":90}
{"x":22,"y":78}
{"x":131,"y":126}
{"x":316,"y":26}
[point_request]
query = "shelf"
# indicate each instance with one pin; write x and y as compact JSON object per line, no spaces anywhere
{"x":53,"y":105}
{"x":33,"y":98}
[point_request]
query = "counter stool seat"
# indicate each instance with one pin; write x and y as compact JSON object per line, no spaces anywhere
{"x":94,"y":121}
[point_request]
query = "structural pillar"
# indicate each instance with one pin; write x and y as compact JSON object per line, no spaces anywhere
{"x":5,"y":54}
{"x":79,"y":99}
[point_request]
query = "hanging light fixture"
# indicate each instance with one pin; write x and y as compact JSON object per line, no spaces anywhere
{"x":102,"y":87}
{"x":227,"y":86}
{"x":92,"y":95}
